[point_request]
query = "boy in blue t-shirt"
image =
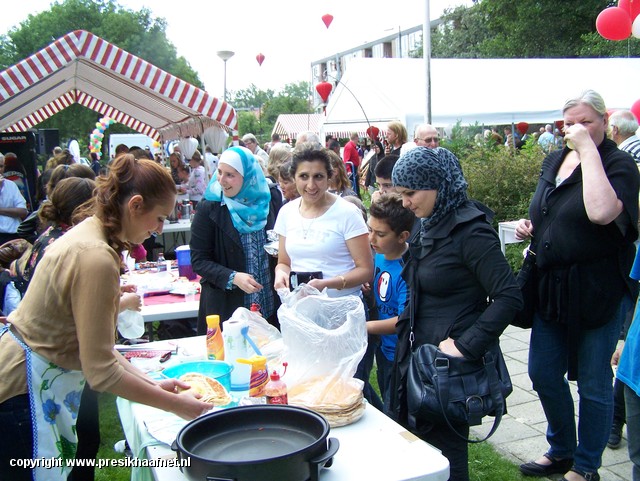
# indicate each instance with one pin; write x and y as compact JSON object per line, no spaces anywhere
{"x":390,"y":225}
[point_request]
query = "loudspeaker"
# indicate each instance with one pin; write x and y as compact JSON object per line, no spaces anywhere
{"x":47,"y":140}
{"x":23,"y":144}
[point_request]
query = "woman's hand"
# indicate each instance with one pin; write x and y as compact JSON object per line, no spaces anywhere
{"x":280,"y":280}
{"x":187,"y":406}
{"x":524,"y":229}
{"x":578,"y":138}
{"x":448,"y":346}
{"x":247,"y":283}
{"x":615,"y":358}
{"x":128,"y":288}
{"x":130,"y":300}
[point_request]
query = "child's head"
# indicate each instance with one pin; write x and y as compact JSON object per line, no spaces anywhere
{"x":383,"y":171}
{"x":390,"y":224}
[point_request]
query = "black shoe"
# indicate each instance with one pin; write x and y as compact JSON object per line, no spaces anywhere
{"x":615,"y":437}
{"x":587,"y":476}
{"x":557,"y":466}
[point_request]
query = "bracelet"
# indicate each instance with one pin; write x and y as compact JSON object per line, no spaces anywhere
{"x":344,"y":283}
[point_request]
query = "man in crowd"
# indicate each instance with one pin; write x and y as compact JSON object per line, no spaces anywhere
{"x":13,"y":209}
{"x":546,"y":138}
{"x":251,"y":143}
{"x":623,"y":126}
{"x":426,"y":135}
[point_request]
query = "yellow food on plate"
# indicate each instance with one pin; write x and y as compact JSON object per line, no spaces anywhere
{"x":210,"y":389}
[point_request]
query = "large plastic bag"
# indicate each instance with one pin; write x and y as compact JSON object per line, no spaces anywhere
{"x":325,"y":338}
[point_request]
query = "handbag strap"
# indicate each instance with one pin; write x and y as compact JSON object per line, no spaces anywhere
{"x":474,"y":403}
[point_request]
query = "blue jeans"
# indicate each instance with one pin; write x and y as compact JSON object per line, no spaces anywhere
{"x":632,"y":401}
{"x":385,"y":367}
{"x":16,"y":441}
{"x":548,"y":361}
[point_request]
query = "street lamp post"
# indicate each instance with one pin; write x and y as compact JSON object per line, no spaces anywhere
{"x":225,"y":55}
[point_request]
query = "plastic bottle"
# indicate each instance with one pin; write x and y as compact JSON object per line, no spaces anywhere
{"x":215,"y":343}
{"x":276,"y":390}
{"x":259,"y":374}
{"x":162,"y":263}
{"x":255,"y":307}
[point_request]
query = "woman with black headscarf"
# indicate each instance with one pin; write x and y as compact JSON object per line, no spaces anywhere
{"x":462,"y":291}
{"x":370,"y":177}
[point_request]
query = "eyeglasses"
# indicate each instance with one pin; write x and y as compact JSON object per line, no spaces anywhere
{"x":428,"y":140}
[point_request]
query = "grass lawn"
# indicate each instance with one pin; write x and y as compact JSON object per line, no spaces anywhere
{"x":485,"y":464}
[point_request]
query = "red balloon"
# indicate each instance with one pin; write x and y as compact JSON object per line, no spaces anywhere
{"x":631,"y":6}
{"x":614,"y":23}
{"x":327,"y":18}
{"x":635,"y":108}
{"x":260,"y":59}
{"x":373,"y":132}
{"x":522,"y":127}
{"x":324,"y":89}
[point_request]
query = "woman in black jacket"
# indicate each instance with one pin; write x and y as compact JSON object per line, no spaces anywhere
{"x":228,"y":235}
{"x":583,"y":225}
{"x":462,"y":291}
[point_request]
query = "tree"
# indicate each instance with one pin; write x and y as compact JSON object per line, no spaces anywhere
{"x":250,"y":98}
{"x":136,"y":32}
{"x":524,"y":29}
{"x":265,"y":106}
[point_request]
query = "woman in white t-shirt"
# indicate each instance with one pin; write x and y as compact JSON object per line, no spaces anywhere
{"x":321,"y":232}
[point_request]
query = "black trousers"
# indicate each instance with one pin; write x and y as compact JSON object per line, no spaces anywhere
{"x":454,"y":448}
{"x":88,"y":427}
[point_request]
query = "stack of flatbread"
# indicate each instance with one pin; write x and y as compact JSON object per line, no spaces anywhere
{"x":339,"y":400}
{"x":210,"y":389}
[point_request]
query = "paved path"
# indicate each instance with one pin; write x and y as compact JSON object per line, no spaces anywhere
{"x":521,"y":435}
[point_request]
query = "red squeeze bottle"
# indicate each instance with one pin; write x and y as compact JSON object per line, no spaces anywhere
{"x":276,"y":390}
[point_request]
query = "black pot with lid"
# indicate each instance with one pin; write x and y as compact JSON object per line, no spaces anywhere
{"x":251,"y":443}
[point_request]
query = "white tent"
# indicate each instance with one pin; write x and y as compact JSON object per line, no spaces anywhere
{"x":486,"y":91}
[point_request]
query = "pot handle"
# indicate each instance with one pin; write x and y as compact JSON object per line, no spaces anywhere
{"x":174,"y":447}
{"x":325,"y":459}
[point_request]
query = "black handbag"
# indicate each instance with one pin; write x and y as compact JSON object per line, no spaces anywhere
{"x":457,"y":390}
{"x":527,"y":280}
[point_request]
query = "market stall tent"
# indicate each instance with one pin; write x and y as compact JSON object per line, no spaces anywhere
{"x":485,"y":91}
{"x":85,"y":69}
{"x":289,"y":126}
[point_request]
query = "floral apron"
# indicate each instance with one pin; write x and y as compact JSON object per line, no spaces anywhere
{"x":54,"y":398}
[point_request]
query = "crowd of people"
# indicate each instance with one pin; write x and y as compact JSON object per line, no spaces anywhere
{"x":422,"y":256}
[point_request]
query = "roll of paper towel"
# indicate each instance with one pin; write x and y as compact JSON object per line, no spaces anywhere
{"x":236,"y":347}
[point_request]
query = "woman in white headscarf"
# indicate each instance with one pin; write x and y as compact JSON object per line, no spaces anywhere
{"x":228,"y":235}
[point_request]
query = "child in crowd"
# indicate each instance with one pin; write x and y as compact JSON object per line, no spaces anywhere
{"x":382,"y":173}
{"x":390,"y":225}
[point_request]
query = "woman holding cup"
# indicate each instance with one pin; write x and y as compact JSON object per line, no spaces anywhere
{"x":583,"y":225}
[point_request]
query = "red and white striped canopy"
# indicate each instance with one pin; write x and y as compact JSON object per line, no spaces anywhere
{"x":289,"y":126}
{"x":85,"y":69}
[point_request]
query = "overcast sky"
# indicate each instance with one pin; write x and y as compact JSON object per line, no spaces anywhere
{"x":289,"y":33}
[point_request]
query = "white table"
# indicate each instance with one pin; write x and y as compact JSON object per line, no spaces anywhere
{"x":180,"y":234}
{"x":507,"y":234}
{"x":166,"y":312}
{"x":375,"y":448}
